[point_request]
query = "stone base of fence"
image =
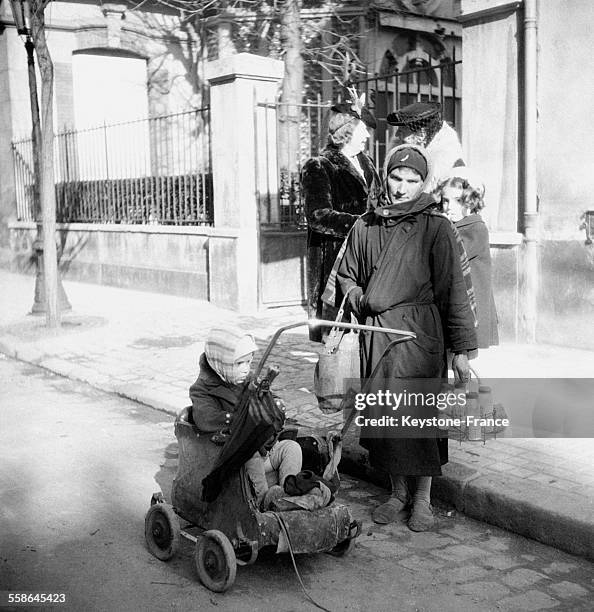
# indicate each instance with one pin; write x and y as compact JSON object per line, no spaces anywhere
{"x":174,"y":260}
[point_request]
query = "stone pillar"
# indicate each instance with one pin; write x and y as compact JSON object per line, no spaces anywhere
{"x":114,"y":13}
{"x":11,"y":54}
{"x":236,"y":82}
{"x":224,"y":27}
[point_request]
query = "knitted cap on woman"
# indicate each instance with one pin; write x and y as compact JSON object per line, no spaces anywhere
{"x":409,"y":158}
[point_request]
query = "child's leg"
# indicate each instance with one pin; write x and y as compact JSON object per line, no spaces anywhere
{"x":284,"y":459}
{"x":255,"y":471}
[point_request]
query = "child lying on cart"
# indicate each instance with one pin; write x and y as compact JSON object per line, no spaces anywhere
{"x":224,"y":367}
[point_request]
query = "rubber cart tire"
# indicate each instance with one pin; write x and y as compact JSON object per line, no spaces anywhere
{"x":215,"y":561}
{"x":161,"y":531}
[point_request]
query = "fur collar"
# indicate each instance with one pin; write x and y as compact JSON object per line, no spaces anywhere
{"x":444,"y":150}
{"x":341,"y":161}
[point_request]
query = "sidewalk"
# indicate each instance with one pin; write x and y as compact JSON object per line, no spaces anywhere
{"x":145,"y":347}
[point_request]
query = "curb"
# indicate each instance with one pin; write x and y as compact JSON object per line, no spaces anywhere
{"x":531,"y":509}
{"x":88,"y":376}
{"x":524,"y":507}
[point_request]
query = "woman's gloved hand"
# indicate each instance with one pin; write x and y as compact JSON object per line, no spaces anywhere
{"x":354,"y":301}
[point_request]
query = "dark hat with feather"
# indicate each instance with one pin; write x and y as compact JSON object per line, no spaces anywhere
{"x":355,"y":107}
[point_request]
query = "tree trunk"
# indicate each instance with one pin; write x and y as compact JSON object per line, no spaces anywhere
{"x":290,"y":112}
{"x":36,"y":128}
{"x":47,"y":183}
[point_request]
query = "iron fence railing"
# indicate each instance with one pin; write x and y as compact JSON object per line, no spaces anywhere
{"x":287,"y":135}
{"x":22,"y":156}
{"x":155,"y":170}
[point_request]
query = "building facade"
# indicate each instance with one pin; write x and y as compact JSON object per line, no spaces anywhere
{"x":133,"y":153}
{"x":529,"y":134}
{"x":127,"y":86}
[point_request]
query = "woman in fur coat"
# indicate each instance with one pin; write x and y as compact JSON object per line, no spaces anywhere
{"x":335,"y":186}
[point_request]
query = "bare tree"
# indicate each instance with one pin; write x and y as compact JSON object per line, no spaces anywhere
{"x":315,"y":38}
{"x":47,"y":184}
{"x":292,"y":90}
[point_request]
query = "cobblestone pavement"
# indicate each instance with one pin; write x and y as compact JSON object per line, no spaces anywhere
{"x":146,"y":346}
{"x":467,"y":565}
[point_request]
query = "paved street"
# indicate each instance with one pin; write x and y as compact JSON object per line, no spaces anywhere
{"x":79,"y":467}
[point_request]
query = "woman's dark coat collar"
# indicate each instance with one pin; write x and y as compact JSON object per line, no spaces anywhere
{"x":469,"y":220}
{"x":334,"y":155}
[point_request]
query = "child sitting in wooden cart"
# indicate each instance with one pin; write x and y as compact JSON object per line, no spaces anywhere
{"x":224,"y":367}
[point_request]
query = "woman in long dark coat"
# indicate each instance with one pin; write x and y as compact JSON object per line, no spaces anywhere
{"x":402,"y":270}
{"x":335,"y":186}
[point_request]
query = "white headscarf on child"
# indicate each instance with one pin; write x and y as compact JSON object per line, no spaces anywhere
{"x":224,"y":346}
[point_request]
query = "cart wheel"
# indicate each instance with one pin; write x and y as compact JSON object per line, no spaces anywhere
{"x":343,"y":548}
{"x":346,"y":546}
{"x":215,"y":561}
{"x":161,"y":531}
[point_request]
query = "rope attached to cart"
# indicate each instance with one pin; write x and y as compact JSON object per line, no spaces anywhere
{"x":285,"y":531}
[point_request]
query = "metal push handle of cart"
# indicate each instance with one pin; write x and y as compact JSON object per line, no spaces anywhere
{"x":333,"y":438}
{"x":405,"y":335}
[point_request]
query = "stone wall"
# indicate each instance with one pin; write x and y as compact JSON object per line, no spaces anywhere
{"x":172,"y":260}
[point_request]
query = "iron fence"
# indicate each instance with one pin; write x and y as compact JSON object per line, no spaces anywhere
{"x":22,"y":156}
{"x":150,"y":171}
{"x":387,"y":93}
{"x":286,"y":136}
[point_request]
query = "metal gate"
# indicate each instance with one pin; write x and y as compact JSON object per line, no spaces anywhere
{"x":286,"y":136}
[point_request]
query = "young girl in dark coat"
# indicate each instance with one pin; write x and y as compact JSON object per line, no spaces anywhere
{"x":224,"y":367}
{"x":462,"y":197}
